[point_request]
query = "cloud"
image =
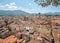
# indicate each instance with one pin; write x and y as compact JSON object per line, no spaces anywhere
{"x":32,"y":10}
{"x":30,"y":4}
{"x":1,"y":6}
{"x":13,"y":6}
{"x":9,"y":6}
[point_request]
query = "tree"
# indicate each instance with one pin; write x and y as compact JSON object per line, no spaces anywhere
{"x":47,"y":2}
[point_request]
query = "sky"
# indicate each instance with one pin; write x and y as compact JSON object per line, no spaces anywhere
{"x":27,"y":5}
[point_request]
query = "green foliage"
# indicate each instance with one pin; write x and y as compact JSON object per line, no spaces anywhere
{"x":44,"y":3}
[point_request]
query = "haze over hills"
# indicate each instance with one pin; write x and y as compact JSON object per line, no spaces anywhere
{"x":10,"y":12}
{"x":20,"y":12}
{"x":51,"y":13}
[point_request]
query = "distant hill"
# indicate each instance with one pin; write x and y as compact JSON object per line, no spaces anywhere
{"x":20,"y":12}
{"x":14,"y":12}
{"x":55,"y":13}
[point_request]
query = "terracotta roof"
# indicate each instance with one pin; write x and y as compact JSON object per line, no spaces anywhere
{"x":10,"y":39}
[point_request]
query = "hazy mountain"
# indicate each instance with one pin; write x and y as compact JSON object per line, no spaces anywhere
{"x":55,"y":13}
{"x":14,"y":12}
{"x":19,"y":12}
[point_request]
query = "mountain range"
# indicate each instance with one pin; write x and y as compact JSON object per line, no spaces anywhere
{"x":55,"y":13}
{"x":20,"y":12}
{"x":12,"y":12}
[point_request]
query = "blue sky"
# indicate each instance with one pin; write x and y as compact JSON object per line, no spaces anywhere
{"x":26,"y":5}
